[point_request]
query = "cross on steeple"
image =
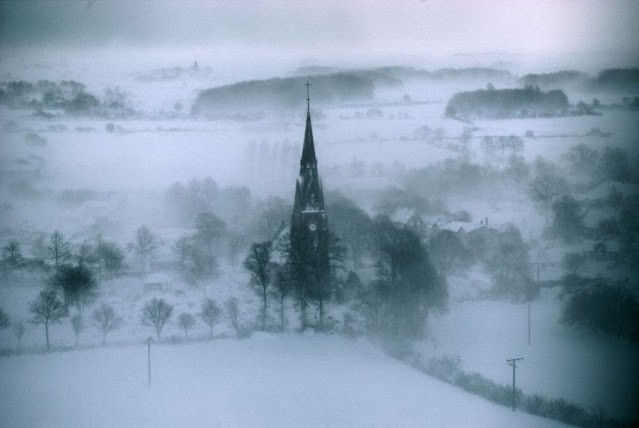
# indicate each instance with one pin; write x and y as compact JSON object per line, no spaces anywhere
{"x":308,"y":97}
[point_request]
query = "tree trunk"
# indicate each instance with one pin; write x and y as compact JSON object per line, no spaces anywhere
{"x":282,"y":312}
{"x":263,"y":308}
{"x":302,"y":308}
{"x":46,"y":332}
{"x":321,"y":309}
{"x":211,"y":331}
{"x":103,"y":338}
{"x":546,"y":210}
{"x":355,"y":254}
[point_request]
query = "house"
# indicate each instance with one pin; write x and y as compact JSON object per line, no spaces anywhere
{"x":608,"y":247}
{"x":461,"y":228}
{"x":157,"y":281}
{"x":410,"y":218}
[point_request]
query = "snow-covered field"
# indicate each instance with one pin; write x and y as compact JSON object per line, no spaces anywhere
{"x":591,"y":370}
{"x":271,"y":381}
{"x":279,"y":380}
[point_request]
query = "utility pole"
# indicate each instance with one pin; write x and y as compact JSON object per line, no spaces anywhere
{"x":148,"y":343}
{"x":538,"y":287}
{"x":529,"y":323}
{"x":513,"y":362}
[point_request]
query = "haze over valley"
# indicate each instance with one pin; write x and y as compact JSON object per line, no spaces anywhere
{"x":470,"y":199}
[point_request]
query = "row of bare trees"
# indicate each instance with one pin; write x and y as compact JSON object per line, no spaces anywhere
{"x":49,"y":308}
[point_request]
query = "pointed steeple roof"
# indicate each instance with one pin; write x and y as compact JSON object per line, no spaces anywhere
{"x":308,"y":151}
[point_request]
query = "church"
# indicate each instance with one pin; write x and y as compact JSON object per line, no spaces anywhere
{"x":309,"y":224}
{"x":309,"y":214}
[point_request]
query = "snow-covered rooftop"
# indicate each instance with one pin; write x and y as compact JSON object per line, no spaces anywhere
{"x":402,"y":215}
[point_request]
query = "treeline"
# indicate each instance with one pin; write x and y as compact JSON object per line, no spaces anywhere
{"x":397,"y":75}
{"x":392,"y":307}
{"x":283,"y":93}
{"x":507,"y":103}
{"x":601,"y":306}
{"x":449,"y":370}
{"x":555,"y":79}
{"x":67,"y":95}
{"x":613,"y":79}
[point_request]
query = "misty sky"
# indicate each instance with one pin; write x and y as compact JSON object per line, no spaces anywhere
{"x":327,"y":27}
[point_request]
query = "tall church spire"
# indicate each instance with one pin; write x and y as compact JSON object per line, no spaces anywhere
{"x":309,"y":226}
{"x":308,"y":151}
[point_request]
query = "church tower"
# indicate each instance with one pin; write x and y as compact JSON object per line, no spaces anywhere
{"x":309,"y":225}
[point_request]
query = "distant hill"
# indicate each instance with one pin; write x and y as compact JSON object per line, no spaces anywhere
{"x":617,"y":79}
{"x":555,"y":80}
{"x":623,"y":80}
{"x":507,"y":103}
{"x":68,"y":96}
{"x":284,"y":93}
{"x":396,"y":75}
{"x":173,"y":73}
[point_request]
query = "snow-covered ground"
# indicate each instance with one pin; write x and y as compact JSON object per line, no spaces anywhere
{"x":268,"y":380}
{"x":591,"y":370}
{"x":285,"y":380}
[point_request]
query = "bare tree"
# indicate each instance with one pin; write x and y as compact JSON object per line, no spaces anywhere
{"x":85,"y":254}
{"x":233,"y":313}
{"x":545,"y":188}
{"x":47,"y":309}
{"x":144,"y":245}
{"x":572,"y":262}
{"x":58,"y":248}
{"x":77,"y":284}
{"x":283,"y":286}
{"x":581,"y":158}
{"x":407,"y":287}
{"x":4,"y":319}
{"x":510,"y":267}
{"x":182,"y":249}
{"x":310,"y":271}
{"x":77,"y":324}
{"x":296,"y":270}
{"x":235,"y":243}
{"x":208,"y":227}
{"x":156,"y":313}
{"x":185,"y":321}
{"x":12,"y":254}
{"x":105,"y":320}
{"x":210,"y":313}
{"x":353,"y":226}
{"x":19,"y":328}
{"x":446,"y":251}
{"x":112,"y":257}
{"x":568,"y":221}
{"x":258,"y":263}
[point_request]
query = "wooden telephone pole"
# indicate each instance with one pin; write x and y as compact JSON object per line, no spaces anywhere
{"x":513,"y":362}
{"x":148,"y":360}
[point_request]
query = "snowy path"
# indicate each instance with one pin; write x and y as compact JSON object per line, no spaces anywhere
{"x":268,"y":380}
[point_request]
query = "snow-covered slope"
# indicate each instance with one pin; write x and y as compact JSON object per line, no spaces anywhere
{"x":591,"y":370}
{"x":268,"y":380}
